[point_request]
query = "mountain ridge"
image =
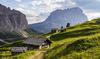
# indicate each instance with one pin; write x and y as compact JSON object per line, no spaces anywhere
{"x":60,"y":18}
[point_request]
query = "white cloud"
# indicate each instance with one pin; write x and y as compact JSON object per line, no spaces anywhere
{"x":32,"y":20}
{"x":33,"y":17}
{"x":27,"y":12}
{"x":93,"y":15}
{"x":51,"y":5}
{"x":23,"y":5}
{"x":18,"y":0}
{"x":33,"y":7}
{"x":40,"y":18}
{"x":34,"y":3}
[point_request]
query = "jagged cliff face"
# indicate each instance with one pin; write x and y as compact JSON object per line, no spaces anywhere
{"x":12,"y":19}
{"x":13,"y":26}
{"x":60,"y":18}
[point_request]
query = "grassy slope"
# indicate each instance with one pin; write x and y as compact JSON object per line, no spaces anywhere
{"x":9,"y":37}
{"x":32,"y":32}
{"x":7,"y":55}
{"x":45,"y":35}
{"x":81,"y":41}
{"x":13,"y":36}
{"x":16,"y":44}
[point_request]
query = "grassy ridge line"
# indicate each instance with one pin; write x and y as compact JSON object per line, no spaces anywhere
{"x":45,"y":35}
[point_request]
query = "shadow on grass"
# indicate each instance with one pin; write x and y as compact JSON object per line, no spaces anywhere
{"x":77,"y":46}
{"x":56,"y":47}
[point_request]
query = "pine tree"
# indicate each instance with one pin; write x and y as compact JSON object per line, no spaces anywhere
{"x":68,"y":25}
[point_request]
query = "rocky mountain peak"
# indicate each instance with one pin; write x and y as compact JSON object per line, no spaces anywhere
{"x":12,"y":19}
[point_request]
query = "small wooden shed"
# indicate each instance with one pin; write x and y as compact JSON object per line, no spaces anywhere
{"x":62,"y":30}
{"x":18,"y":50}
{"x":54,"y":30}
{"x":37,"y":43}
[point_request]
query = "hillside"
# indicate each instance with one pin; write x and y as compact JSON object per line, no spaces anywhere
{"x":8,"y":37}
{"x":78,"y":42}
{"x":81,"y":41}
{"x":60,"y":18}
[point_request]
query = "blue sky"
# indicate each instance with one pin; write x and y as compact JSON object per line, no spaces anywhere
{"x":39,"y":10}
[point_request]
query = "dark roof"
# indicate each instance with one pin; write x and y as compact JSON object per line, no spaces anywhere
{"x":54,"y":29}
{"x":63,"y":29}
{"x":35,"y":41}
{"x":19,"y":49}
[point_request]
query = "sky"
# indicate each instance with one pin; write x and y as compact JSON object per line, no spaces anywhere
{"x":38,"y":10}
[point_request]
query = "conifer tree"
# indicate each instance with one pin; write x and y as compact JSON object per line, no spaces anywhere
{"x":68,"y":25}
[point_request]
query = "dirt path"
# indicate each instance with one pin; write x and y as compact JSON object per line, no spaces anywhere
{"x":41,"y":55}
{"x":51,"y":35}
{"x":38,"y":53}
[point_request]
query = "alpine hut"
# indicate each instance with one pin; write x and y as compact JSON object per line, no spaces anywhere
{"x":18,"y":50}
{"x":37,"y":43}
{"x":54,"y":30}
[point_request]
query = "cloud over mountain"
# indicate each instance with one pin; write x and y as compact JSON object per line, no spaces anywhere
{"x":46,"y":6}
{"x":18,"y":0}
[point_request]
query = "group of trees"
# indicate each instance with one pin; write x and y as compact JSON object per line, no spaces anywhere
{"x":68,"y":25}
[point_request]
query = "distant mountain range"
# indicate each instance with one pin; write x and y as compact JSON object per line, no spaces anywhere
{"x":60,"y":18}
{"x":13,"y":26}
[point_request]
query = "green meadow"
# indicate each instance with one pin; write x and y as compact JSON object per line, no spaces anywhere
{"x":81,"y":41}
